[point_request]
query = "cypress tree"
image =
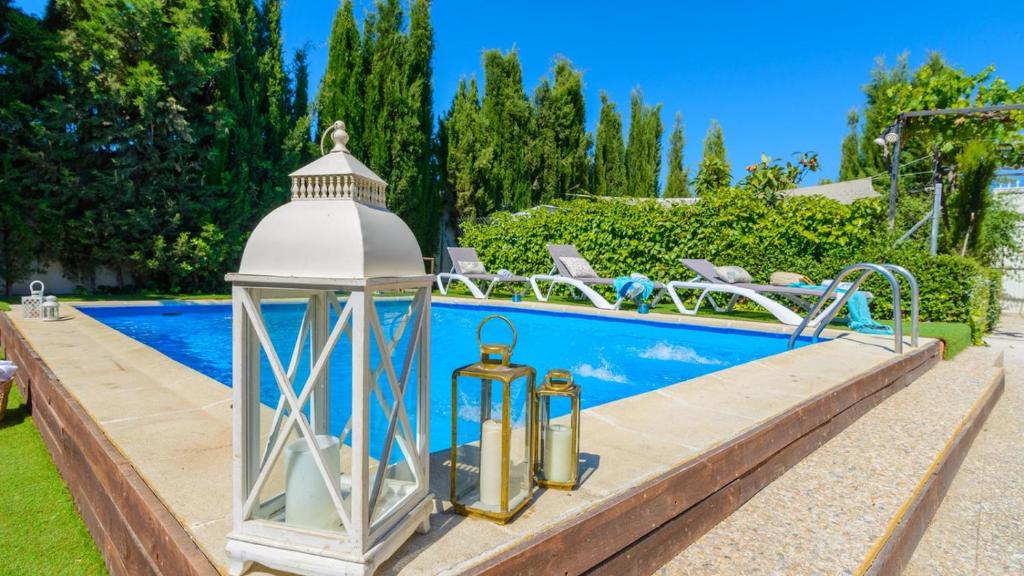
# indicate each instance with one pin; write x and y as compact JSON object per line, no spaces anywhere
{"x":419,"y":79}
{"x":273,"y":84}
{"x":610,"y":152}
{"x":643,"y":150}
{"x":559,"y":154}
{"x":849,"y":162}
{"x":300,"y":94}
{"x":507,"y":113}
{"x":466,"y":160}
{"x":714,"y":172}
{"x":678,"y":175}
{"x":342,"y":87}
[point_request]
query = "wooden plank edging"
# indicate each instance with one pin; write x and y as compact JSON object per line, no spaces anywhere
{"x":894,"y":549}
{"x":131,"y":526}
{"x":621,"y":535}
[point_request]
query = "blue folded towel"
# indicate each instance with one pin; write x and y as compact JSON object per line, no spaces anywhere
{"x":857,"y":306}
{"x":623,"y":285}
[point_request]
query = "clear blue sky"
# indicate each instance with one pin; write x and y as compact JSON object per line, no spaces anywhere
{"x":778,"y":76}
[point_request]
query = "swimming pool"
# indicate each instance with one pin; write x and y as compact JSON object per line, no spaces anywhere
{"x":611,"y":358}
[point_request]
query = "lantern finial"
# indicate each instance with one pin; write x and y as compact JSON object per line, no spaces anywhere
{"x":338,"y":134}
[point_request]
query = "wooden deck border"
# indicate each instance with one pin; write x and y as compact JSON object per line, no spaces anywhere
{"x":131,"y":526}
{"x":637,"y":532}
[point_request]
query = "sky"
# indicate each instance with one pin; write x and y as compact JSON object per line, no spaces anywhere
{"x":778,"y":76}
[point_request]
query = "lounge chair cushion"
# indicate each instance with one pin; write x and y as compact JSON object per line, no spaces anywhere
{"x":578,"y":267}
{"x":472,"y":267}
{"x":788,"y":279}
{"x":733,"y":274}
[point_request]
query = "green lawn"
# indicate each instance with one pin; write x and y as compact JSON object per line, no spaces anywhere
{"x":957,"y":336}
{"x":40,"y":529}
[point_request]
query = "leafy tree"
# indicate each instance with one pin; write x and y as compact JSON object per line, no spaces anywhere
{"x":342,"y":87}
{"x":767,"y":178}
{"x":610,"y":152}
{"x":714,"y":172}
{"x":559,"y":155}
{"x":676,"y":185}
{"x":643,"y":150}
{"x":507,"y":114}
{"x":850,"y":162}
{"x":976,"y":168}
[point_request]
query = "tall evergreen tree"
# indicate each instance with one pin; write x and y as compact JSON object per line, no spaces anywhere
{"x":559,"y":154}
{"x":300,"y":92}
{"x":849,"y":161}
{"x":676,"y":185}
{"x":419,"y":78}
{"x":342,"y":87}
{"x":507,"y":114}
{"x":610,"y":152}
{"x":714,"y":172}
{"x":466,"y":150}
{"x":274,"y":105}
{"x":643,"y":150}
{"x":33,"y":144}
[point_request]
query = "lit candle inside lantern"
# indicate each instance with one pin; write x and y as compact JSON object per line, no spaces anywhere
{"x":307,"y":501}
{"x":558,"y":453}
{"x":490,"y":463}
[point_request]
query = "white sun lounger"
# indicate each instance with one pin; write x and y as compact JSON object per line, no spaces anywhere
{"x":708,"y":282}
{"x":560,"y":274}
{"x":463,"y":256}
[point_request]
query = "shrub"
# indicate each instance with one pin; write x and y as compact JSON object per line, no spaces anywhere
{"x":811,"y":235}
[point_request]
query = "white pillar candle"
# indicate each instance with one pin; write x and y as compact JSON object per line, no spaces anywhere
{"x":490,"y":463}
{"x":558,"y":453}
{"x":307,"y":500}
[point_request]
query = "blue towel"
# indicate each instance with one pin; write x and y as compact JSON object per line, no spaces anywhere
{"x":857,"y":307}
{"x":624,"y":283}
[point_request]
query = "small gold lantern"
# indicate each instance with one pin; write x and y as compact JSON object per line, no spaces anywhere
{"x":492,"y":443}
{"x":556,"y":439}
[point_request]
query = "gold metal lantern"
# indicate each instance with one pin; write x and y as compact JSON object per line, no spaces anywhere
{"x":556,"y":440}
{"x":492,"y":444}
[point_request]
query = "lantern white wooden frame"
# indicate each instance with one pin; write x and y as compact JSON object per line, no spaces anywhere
{"x":360,"y":545}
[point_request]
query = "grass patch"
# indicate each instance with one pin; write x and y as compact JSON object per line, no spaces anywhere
{"x":955,"y":335}
{"x":121,"y":297}
{"x":40,"y":529}
{"x":4,"y":306}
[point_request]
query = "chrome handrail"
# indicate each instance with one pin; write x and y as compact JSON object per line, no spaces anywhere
{"x":866,"y":270}
{"x":914,"y":299}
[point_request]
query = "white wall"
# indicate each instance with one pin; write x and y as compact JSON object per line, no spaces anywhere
{"x":57,"y":283}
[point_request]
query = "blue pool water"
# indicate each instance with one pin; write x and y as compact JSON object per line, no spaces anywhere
{"x":611,"y":358}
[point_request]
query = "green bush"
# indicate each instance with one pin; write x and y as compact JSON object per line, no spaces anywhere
{"x":811,"y":235}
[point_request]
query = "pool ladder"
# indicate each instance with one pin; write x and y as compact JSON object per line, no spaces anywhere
{"x":889,"y":272}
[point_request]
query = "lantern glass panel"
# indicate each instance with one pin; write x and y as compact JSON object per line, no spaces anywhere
{"x":293,"y":490}
{"x":393,"y":428}
{"x":481,"y":454}
{"x":555,"y":442}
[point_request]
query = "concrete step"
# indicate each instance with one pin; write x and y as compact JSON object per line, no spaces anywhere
{"x":979,"y":528}
{"x":860,"y":502}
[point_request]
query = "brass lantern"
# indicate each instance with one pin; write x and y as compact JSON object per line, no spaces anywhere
{"x":556,"y":432}
{"x":492,"y":443}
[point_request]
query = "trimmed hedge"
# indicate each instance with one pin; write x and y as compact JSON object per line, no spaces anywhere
{"x":811,"y":235}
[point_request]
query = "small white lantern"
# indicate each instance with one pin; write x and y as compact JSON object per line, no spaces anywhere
{"x":335,"y":478}
{"x":32,"y":305}
{"x":50,"y":308}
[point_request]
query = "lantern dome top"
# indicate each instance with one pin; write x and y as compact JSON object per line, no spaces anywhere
{"x":336,"y":226}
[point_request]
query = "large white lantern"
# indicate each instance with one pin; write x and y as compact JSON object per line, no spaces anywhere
{"x":331,"y":448}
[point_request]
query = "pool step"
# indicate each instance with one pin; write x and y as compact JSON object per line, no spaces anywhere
{"x":978,"y":528}
{"x":859,"y":504}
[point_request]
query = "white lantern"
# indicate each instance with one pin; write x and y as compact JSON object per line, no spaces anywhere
{"x":32,"y":305}
{"x":331,"y":468}
{"x":50,"y":310}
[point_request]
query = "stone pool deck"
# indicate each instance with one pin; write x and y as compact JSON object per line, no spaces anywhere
{"x":650,"y":461}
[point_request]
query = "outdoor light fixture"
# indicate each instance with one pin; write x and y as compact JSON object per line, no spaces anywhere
{"x":556,"y":440}
{"x":492,"y":434}
{"x":32,"y":305}
{"x":335,"y":478}
{"x":50,"y":310}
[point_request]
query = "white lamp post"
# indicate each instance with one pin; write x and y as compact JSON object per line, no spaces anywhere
{"x":335,"y":478}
